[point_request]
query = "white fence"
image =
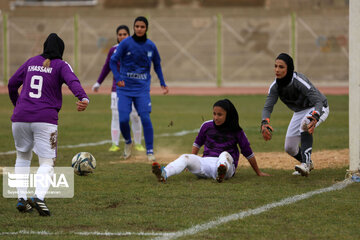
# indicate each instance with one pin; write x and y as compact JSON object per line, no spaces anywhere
{"x":195,"y":51}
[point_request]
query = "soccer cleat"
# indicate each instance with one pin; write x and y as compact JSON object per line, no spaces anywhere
{"x":23,"y":206}
{"x":127,"y":150}
{"x":311,"y":167}
{"x":114,"y":148}
{"x":139,"y":147}
{"x":40,"y":206}
{"x":159,"y":172}
{"x":303,"y":169}
{"x":151,"y":157}
{"x":221,"y":172}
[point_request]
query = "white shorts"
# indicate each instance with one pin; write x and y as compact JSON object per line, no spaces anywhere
{"x":37,"y":136}
{"x":294,"y":128}
{"x":209,"y":167}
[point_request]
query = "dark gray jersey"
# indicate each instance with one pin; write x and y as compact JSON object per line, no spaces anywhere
{"x":299,"y":95}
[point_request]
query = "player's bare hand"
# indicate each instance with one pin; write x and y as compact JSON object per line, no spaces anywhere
{"x":121,"y":83}
{"x":82,"y":105}
{"x":165,"y":89}
{"x":262,"y":174}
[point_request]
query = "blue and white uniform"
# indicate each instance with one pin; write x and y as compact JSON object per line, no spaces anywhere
{"x":135,"y":64}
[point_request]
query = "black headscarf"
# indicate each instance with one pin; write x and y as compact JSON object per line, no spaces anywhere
{"x":53,"y":47}
{"x":283,"y":82}
{"x":231,"y":123}
{"x":122,"y":27}
{"x":144,"y":37}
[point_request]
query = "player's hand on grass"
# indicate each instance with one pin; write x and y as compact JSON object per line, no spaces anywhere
{"x":262,"y":174}
{"x":82,"y":105}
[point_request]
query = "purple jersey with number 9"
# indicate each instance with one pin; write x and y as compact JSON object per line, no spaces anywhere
{"x":40,"y":99}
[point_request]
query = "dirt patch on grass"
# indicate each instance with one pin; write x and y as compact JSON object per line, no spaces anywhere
{"x":274,"y":160}
{"x":321,"y":159}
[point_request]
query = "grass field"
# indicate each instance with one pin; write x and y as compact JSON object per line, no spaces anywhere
{"x":123,"y":200}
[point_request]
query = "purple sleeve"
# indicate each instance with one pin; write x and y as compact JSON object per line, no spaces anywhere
{"x":15,"y":82}
{"x":114,"y":59}
{"x":106,"y":68}
{"x":244,"y":145}
{"x":200,"y":138}
{"x":72,"y":81}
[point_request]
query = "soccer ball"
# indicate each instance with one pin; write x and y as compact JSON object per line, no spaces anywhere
{"x":83,"y":163}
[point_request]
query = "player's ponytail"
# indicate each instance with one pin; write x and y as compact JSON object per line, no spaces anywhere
{"x":46,"y":63}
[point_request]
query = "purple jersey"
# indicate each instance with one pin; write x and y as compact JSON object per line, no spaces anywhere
{"x":106,"y":69}
{"x":215,"y":142}
{"x":40,"y":99}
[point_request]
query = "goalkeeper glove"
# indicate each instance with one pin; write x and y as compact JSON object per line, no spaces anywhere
{"x":266,"y":129}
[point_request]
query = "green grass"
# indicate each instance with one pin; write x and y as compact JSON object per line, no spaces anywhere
{"x":125,"y":197}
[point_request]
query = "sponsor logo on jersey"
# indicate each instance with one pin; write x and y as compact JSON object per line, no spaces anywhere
{"x":141,"y":76}
{"x":149,"y":54}
{"x":128,"y":53}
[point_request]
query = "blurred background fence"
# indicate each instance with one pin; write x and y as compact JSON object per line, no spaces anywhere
{"x":215,"y":49}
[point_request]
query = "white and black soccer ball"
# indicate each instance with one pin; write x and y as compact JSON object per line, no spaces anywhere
{"x":83,"y":163}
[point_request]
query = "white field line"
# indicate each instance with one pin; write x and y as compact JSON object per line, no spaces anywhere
{"x":240,"y":215}
{"x":46,"y":233}
{"x":200,"y":227}
{"x":177,"y":134}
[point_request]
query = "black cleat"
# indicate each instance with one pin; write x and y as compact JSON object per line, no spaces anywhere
{"x":40,"y":206}
{"x":221,"y":172}
{"x":23,"y":206}
{"x":159,"y":172}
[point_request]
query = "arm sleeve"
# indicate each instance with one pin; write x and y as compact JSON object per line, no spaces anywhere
{"x":115,"y":58}
{"x":244,"y":144}
{"x":72,"y":82}
{"x":271,"y":100}
{"x":106,"y":68}
{"x":15,"y":82}
{"x":200,"y":138}
{"x":157,"y":66}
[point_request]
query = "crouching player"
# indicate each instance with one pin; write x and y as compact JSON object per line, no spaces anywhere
{"x":220,"y":138}
{"x":310,"y":109}
{"x":35,"y":116}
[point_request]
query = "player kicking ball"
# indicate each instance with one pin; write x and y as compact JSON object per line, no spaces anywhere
{"x":35,"y":116}
{"x":220,"y":138}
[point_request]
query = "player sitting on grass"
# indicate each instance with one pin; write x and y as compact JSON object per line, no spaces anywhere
{"x":309,"y":105}
{"x":220,"y":137}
